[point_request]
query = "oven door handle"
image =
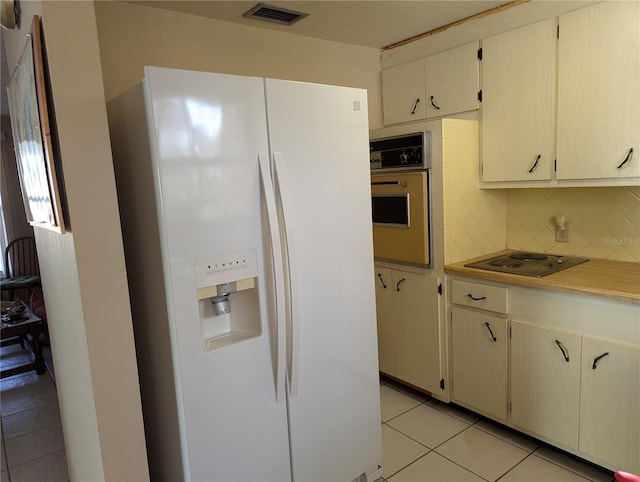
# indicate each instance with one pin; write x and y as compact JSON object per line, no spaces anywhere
{"x":389,"y":183}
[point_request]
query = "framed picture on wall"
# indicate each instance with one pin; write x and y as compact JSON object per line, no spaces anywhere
{"x":32,"y":141}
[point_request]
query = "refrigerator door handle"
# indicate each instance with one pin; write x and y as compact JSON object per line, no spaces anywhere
{"x":293,"y":357}
{"x":276,"y":252}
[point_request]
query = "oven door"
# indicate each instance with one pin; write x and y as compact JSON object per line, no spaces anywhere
{"x":400,"y":212}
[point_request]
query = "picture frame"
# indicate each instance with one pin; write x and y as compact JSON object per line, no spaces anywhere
{"x":29,"y":113}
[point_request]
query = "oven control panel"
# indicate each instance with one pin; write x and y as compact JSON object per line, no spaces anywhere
{"x":408,"y":152}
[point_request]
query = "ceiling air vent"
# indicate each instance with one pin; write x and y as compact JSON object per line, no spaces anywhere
{"x":271,"y":13}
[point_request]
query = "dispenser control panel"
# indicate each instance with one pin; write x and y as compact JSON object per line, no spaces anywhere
{"x":215,"y":270}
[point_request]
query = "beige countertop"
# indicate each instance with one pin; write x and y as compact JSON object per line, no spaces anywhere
{"x":616,"y":280}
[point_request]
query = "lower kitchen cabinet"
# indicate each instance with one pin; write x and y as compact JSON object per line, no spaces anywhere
{"x":408,"y":312}
{"x":566,"y":366}
{"x":545,"y":382}
{"x":479,"y":361}
{"x":610,"y":403}
{"x":384,"y":314}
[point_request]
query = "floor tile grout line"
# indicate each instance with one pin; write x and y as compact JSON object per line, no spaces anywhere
{"x":462,"y":420}
{"x":12,"y":467}
{"x":565,"y":467}
{"x":4,"y":415}
{"x":452,"y":415}
{"x":5,"y":438}
{"x":431,"y":448}
{"x":512,"y":468}
{"x":406,"y":390}
{"x":409,"y":464}
{"x":530,"y":451}
{"x":35,"y":407}
{"x":42,"y":390}
{"x":400,"y":414}
{"x":434,"y":449}
{"x":409,"y":437}
{"x":463,"y":467}
{"x":438,"y":453}
{"x":480,"y":418}
{"x":9,"y":469}
{"x":528,"y":454}
{"x":26,"y":387}
{"x":467,"y":469}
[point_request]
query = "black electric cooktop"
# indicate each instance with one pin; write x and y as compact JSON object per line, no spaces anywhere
{"x":528,"y":264}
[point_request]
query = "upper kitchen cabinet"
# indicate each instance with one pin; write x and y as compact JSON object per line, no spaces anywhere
{"x":403,"y":93}
{"x":599,"y":92}
{"x":452,"y":81}
{"x":440,"y":85}
{"x":517,"y":112}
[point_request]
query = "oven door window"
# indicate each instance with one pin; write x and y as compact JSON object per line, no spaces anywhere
{"x":390,"y":210}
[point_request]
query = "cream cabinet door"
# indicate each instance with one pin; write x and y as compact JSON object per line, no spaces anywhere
{"x":545,"y":382}
{"x":403,"y":91}
{"x":452,"y":79}
{"x":417,"y":318}
{"x":610,"y":403}
{"x":599,"y":92}
{"x":517,"y":110}
{"x":386,"y":327}
{"x":479,"y":361}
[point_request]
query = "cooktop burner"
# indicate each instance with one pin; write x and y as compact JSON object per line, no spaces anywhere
{"x":506,"y":262}
{"x":527,"y":256}
{"x":528,"y":264}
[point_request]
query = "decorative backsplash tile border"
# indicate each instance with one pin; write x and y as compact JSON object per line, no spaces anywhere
{"x":604,"y":222}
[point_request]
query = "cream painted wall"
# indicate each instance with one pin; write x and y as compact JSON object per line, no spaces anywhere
{"x":83,"y":272}
{"x":132,"y":36}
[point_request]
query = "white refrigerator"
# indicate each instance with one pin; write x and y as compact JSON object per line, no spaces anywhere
{"x":246,"y":216}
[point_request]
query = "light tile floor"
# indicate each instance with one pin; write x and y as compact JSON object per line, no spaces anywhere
{"x":423,"y":439}
{"x":32,"y":442}
{"x":426,"y":440}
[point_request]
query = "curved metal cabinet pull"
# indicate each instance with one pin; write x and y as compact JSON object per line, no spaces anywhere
{"x":399,"y":283}
{"x":382,"y":281}
{"x":493,"y":337}
{"x":563,"y":350}
{"x":415,"y":106}
{"x":535,"y":164}
{"x":597,"y":359}
{"x":434,"y":105}
{"x":473,"y":298}
{"x":626,"y":159}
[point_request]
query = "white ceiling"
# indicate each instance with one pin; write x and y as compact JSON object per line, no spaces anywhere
{"x":366,"y":23}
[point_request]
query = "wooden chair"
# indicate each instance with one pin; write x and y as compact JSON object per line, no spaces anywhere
{"x":21,"y":263}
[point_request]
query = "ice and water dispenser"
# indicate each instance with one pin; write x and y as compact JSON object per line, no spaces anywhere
{"x":228,"y":299}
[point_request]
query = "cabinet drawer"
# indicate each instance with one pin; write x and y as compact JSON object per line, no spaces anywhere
{"x":479,"y":295}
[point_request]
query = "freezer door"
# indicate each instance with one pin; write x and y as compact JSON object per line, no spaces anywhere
{"x":207,"y":131}
{"x":319,"y":141}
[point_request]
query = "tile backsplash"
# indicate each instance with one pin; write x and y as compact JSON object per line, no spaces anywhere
{"x":604,"y":222}
{"x":474,"y":219}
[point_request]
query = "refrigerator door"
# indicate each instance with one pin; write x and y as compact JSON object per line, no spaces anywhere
{"x":319,"y":140}
{"x":207,"y":131}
